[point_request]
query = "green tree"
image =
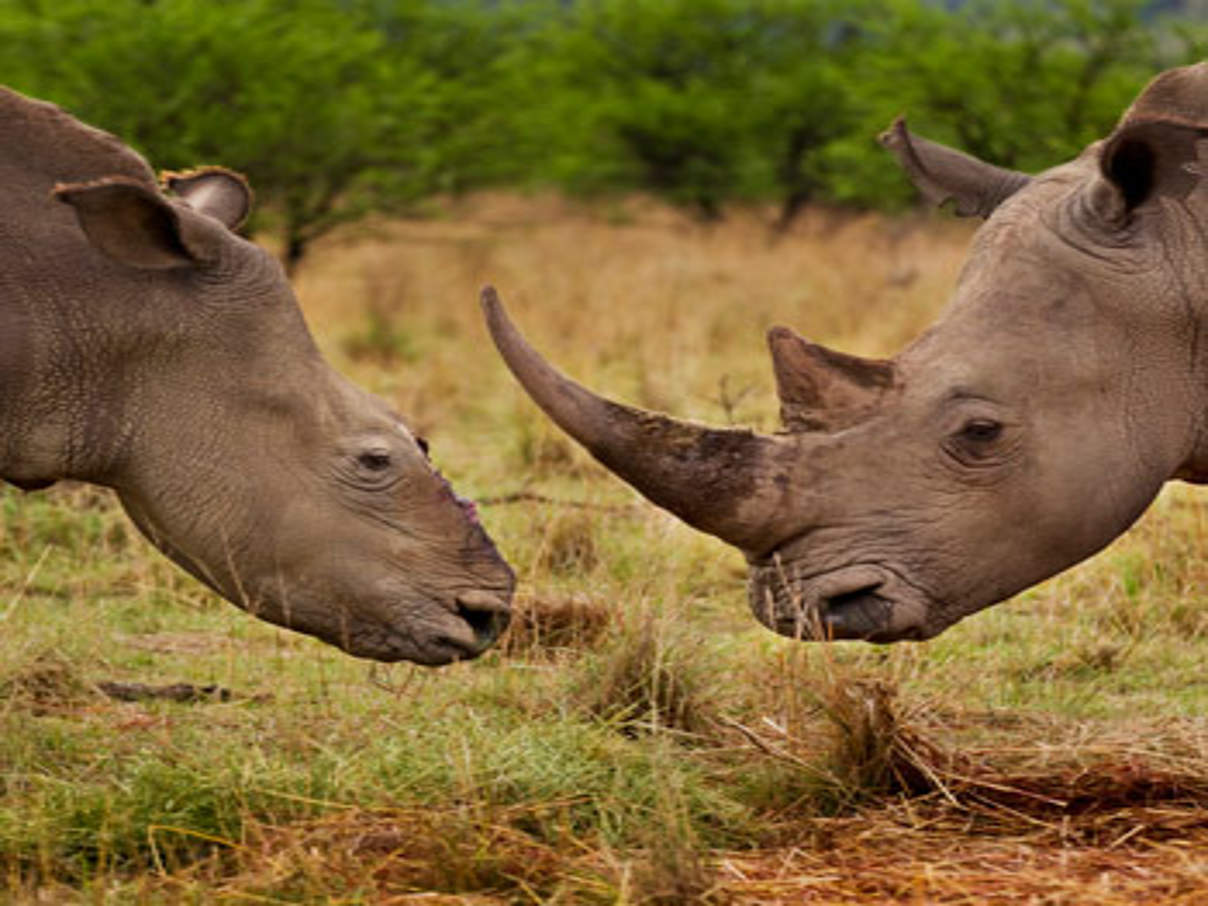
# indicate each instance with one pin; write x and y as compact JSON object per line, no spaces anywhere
{"x":297,"y":94}
{"x":699,"y":101}
{"x":657,"y":90}
{"x":1024,"y":84}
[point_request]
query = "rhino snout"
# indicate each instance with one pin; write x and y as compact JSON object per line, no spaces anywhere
{"x":432,"y":632}
{"x":471,"y":625}
{"x":865,"y":601}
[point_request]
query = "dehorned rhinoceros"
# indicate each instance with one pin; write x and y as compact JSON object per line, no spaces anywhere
{"x":1065,"y":383}
{"x":146,"y":347}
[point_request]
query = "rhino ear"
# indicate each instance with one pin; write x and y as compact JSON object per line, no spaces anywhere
{"x":133,"y":223}
{"x":1158,"y":149}
{"x":1145,"y":159}
{"x":216,"y":191}
{"x":824,"y":390}
{"x":943,"y":174}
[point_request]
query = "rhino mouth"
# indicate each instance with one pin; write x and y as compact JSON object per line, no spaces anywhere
{"x":459,"y":630}
{"x":870,"y":602}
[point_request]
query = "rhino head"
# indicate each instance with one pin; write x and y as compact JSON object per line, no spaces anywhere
{"x":1066,"y":381}
{"x":146,"y":347}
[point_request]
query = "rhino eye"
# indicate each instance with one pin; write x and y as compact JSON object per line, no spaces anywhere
{"x":977,"y":443}
{"x":981,"y":431}
{"x":374,"y":460}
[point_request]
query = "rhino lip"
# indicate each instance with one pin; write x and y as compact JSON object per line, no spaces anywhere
{"x":864,"y":601}
{"x":863,"y":614}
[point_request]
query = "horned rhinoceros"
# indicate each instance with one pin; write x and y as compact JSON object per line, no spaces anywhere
{"x":145,"y":346}
{"x":1066,"y":381}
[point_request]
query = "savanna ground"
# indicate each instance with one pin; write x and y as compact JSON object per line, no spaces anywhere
{"x":637,"y":737}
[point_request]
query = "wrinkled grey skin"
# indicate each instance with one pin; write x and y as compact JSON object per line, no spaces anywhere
{"x":146,"y":347}
{"x":1033,"y":423}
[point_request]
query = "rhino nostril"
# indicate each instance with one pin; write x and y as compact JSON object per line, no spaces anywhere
{"x":486,"y":614}
{"x":851,"y":597}
{"x":860,"y":613}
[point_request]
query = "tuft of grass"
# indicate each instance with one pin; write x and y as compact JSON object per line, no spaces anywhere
{"x":650,"y":678}
{"x":670,"y":869}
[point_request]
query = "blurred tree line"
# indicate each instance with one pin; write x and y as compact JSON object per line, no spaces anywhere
{"x":335,"y":108}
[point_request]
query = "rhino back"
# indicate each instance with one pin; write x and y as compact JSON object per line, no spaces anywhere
{"x":44,"y":145}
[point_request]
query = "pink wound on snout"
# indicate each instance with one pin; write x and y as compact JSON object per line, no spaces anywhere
{"x":468,"y":506}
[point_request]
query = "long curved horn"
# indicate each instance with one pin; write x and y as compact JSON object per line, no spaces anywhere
{"x":734,"y":484}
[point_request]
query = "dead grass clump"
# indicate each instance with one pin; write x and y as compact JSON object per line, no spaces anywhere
{"x":856,"y":745}
{"x":831,"y":736}
{"x":874,"y":748}
{"x":46,"y":683}
{"x":859,"y":749}
{"x":649,"y":680}
{"x":546,"y":624}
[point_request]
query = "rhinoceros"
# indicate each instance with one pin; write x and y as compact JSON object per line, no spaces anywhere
{"x":1064,"y":383}
{"x":145,"y":346}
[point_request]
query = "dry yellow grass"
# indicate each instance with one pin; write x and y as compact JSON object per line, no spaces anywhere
{"x":646,"y":302}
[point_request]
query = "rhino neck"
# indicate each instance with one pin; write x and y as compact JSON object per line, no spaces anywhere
{"x":208,"y":438}
{"x":118,"y":386}
{"x":61,"y":415}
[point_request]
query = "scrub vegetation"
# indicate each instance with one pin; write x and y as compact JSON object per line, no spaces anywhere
{"x":637,"y":737}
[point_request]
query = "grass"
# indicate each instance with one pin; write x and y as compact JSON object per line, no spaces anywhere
{"x":637,"y":738}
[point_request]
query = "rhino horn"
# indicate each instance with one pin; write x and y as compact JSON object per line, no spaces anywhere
{"x":944,"y":174}
{"x":733,"y":484}
{"x":821,"y":389}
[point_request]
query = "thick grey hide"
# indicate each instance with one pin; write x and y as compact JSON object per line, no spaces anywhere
{"x":1066,"y":381}
{"x":145,"y":346}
